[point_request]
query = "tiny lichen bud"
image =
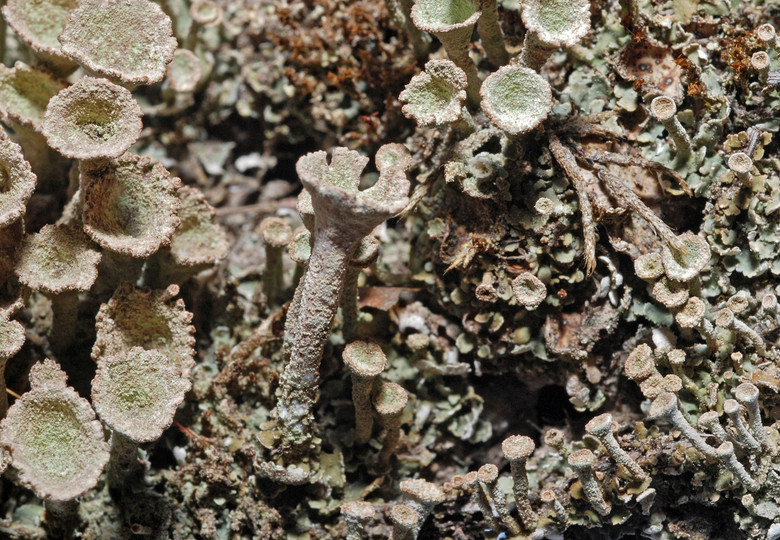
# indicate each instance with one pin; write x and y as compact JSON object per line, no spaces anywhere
{"x":640,"y":363}
{"x":582,"y":462}
{"x":670,"y":293}
{"x":726,"y":319}
{"x":517,"y":449}
{"x":435,"y":96}
{"x":136,"y":42}
{"x":452,"y":22}
{"x":741,"y":165}
{"x":277,"y":235}
{"x":759,"y":61}
{"x":92,"y":119}
{"x":733,"y":410}
{"x":406,"y":522}
{"x":422,"y":496}
{"x":664,"y":110}
{"x":488,"y":480}
{"x":556,"y":439}
{"x":357,"y":514}
{"x":747,"y":394}
{"x":730,"y":461}
{"x":738,"y":303}
{"x":601,"y":428}
{"x":548,"y":497}
{"x":665,"y":406}
{"x":389,"y":402}
{"x":365,"y":360}
{"x":529,"y":290}
{"x":692,"y":313}
{"x":767,"y":36}
{"x":653,"y":386}
{"x":686,"y":263}
{"x":552,"y":24}
{"x":516,"y":99}
{"x":649,"y":266}
{"x":710,"y":421}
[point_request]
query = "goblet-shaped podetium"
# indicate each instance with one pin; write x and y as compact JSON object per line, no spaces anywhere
{"x":343,"y":216}
{"x":452,"y":22}
{"x":38,"y":24}
{"x":24,"y":95}
{"x":59,"y":261}
{"x":129,"y":41}
{"x":17,"y":182}
{"x":130,"y":210}
{"x":92,"y":119}
{"x":136,"y":394}
{"x":152,"y":319}
{"x":435,"y":97}
{"x":551,"y":25}
{"x":197,"y":244}
{"x":56,"y":444}
{"x":12,"y":338}
{"x":516,"y":99}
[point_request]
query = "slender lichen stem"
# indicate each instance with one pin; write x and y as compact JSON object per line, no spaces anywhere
{"x":320,"y":293}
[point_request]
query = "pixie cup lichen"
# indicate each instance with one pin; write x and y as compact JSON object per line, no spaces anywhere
{"x":516,"y":99}
{"x":38,"y":23}
{"x":452,"y":22}
{"x":552,"y":24}
{"x":343,"y":216}
{"x":60,"y":261}
{"x":56,"y":443}
{"x":17,"y":182}
{"x":435,"y":96}
{"x":135,"y":42}
{"x":136,"y":394}
{"x":92,"y":119}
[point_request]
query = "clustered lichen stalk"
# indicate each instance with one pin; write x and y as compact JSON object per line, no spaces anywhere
{"x":343,"y":216}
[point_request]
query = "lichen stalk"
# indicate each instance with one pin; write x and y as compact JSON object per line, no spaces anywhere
{"x":65,"y":311}
{"x":321,"y":290}
{"x":123,"y":461}
{"x":491,"y":34}
{"x":350,"y":311}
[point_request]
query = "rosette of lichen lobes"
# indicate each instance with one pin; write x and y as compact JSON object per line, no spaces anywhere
{"x":516,"y":99}
{"x":25,"y":92}
{"x":91,"y":119}
{"x":129,"y":41}
{"x":147,"y":318}
{"x":435,"y":96}
{"x":137,"y":392}
{"x":130,"y":204}
{"x":56,"y":259}
{"x":38,"y":23}
{"x":17,"y":182}
{"x":55,"y":441}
